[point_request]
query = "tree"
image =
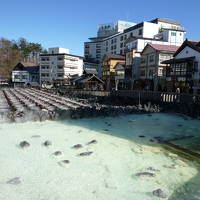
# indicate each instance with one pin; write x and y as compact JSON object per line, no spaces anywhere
{"x":9,"y":57}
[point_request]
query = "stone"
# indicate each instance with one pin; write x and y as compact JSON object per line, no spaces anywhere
{"x":57,"y":153}
{"x":92,"y":142}
{"x":24,"y":144}
{"x":106,"y":130}
{"x":142,"y":136}
{"x":85,"y":153}
{"x":159,"y":193}
{"x":145,"y":174}
{"x":77,"y":146}
{"x":153,"y":169}
{"x":151,"y":140}
{"x":47,"y":143}
{"x":14,"y":181}
{"x":65,"y":161}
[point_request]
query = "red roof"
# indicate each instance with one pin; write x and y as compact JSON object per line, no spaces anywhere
{"x":162,"y":47}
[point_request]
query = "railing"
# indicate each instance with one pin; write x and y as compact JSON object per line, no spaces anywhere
{"x":159,"y":97}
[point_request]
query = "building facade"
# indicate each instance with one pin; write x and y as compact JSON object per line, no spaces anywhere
{"x":183,"y":71}
{"x":152,"y":70}
{"x":119,"y":75}
{"x":59,"y":66}
{"x":108,"y":69}
{"x":25,"y":74}
{"x":160,"y":30}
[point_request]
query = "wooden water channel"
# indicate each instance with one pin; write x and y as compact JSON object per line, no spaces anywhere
{"x":32,"y":104}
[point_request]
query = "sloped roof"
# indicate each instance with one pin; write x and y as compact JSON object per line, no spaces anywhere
{"x":192,"y":44}
{"x":162,"y":47}
{"x":90,"y":71}
{"x":27,"y":66}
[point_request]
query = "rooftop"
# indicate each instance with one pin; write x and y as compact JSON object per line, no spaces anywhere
{"x":162,"y":47}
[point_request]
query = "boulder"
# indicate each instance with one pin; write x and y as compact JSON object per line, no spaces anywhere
{"x":159,"y":193}
{"x":24,"y":144}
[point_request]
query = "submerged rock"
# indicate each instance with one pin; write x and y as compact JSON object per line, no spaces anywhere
{"x":142,"y":136}
{"x":145,"y":174}
{"x":14,"y":181}
{"x":47,"y":143}
{"x":65,"y":161}
{"x":106,"y":130}
{"x":57,"y":153}
{"x":77,"y":146}
{"x":24,"y":144}
{"x":92,"y":142}
{"x":159,"y":193}
{"x":85,"y":153}
{"x":153,"y":169}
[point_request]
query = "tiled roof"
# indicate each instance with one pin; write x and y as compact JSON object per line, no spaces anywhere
{"x":162,"y":47}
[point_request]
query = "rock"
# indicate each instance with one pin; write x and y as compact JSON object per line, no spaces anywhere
{"x":57,"y":153}
{"x":85,"y":153}
{"x":180,"y":125}
{"x":77,"y":146}
{"x":92,"y":142}
{"x":35,"y":136}
{"x":159,"y":193}
{"x":24,"y":144}
{"x":153,"y":169}
{"x":106,"y":130}
{"x":151,"y":140}
{"x":145,"y":174}
{"x":47,"y":143}
{"x":149,"y":115}
{"x":142,"y":136}
{"x":14,"y":181}
{"x":65,"y":161}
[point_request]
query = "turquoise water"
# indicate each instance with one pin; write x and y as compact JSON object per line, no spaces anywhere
{"x":109,"y":172}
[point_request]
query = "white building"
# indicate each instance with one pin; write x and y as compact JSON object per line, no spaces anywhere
{"x":58,"y":65}
{"x":165,"y":31}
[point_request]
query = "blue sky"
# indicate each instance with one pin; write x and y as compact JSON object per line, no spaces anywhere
{"x":69,"y":23}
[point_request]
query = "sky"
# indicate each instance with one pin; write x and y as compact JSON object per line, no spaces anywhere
{"x":69,"y":23}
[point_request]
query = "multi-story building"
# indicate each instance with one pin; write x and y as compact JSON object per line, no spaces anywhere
{"x":183,"y":72}
{"x":152,"y":71}
{"x":115,"y":42}
{"x":108,"y":69}
{"x":59,"y":66}
{"x":108,"y":40}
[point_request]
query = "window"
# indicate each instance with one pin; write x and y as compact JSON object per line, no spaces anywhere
{"x":121,"y":45}
{"x":151,"y":59}
{"x":125,"y":37}
{"x":60,"y":66}
{"x":140,"y":32}
{"x":16,"y":76}
{"x":151,"y":72}
{"x":131,"y":35}
{"x":24,"y":77}
{"x":60,"y":58}
{"x":173,"y":33}
{"x":142,"y":73}
{"x":143,"y":60}
{"x":121,"y":52}
{"x":121,"y":38}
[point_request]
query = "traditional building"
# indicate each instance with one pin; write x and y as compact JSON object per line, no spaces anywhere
{"x":25,"y":74}
{"x":152,"y":71}
{"x":183,"y":71}
{"x":58,"y":66}
{"x":119,"y":75}
{"x":89,"y":80}
{"x":108,"y":69}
